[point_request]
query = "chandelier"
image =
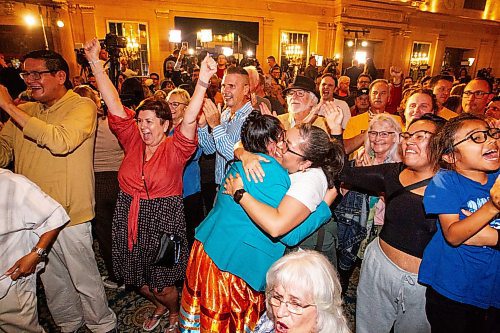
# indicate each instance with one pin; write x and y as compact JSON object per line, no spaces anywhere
{"x":132,"y":49}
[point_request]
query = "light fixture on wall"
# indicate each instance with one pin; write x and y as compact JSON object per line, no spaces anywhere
{"x":364,"y":43}
{"x":29,"y":19}
{"x":471,"y":61}
{"x":350,"y":43}
{"x":60,"y":23}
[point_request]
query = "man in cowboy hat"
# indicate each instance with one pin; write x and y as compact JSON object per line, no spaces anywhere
{"x":301,"y":98}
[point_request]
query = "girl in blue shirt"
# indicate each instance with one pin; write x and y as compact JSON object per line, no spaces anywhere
{"x":461,"y":264}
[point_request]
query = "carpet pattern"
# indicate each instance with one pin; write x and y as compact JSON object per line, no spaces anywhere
{"x":131,"y":309}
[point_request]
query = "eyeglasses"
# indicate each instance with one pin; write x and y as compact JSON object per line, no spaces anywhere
{"x":296,"y":92}
{"x":481,"y":136}
{"x":292,"y":306}
{"x":477,"y":94}
{"x":382,"y":134}
{"x":418,"y":136}
{"x":35,"y":75}
{"x":175,"y":105}
{"x":285,"y":148}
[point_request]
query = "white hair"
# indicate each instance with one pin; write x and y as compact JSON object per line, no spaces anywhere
{"x":394,"y":154}
{"x":310,"y":273}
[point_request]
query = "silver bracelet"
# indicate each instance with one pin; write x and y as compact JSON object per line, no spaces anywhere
{"x":203,"y":84}
{"x":94,"y":62}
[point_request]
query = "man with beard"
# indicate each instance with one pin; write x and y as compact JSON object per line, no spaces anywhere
{"x":477,"y":94}
{"x":301,"y":98}
{"x":226,"y":126}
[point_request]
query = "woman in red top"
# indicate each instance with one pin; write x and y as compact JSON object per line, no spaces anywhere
{"x":150,"y":177}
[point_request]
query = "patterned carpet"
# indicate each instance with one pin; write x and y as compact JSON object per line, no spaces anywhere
{"x":131,"y":308}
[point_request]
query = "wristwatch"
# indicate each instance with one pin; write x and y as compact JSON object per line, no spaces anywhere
{"x":238,"y":195}
{"x":42,"y":253}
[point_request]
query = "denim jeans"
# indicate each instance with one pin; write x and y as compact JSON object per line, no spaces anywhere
{"x":351,"y":216}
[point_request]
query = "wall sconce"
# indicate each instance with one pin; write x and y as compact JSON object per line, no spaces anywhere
{"x":60,"y":23}
{"x":364,"y":43}
{"x":350,"y":43}
{"x":29,"y":19}
{"x":471,"y":61}
{"x":249,"y":53}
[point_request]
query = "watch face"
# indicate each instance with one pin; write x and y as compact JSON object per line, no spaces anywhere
{"x":238,"y":195}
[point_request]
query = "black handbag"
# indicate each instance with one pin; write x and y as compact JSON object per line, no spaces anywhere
{"x":169,"y":250}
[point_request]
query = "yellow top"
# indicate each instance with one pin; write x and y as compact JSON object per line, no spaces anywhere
{"x":55,"y":151}
{"x":446,"y":113}
{"x":359,"y":123}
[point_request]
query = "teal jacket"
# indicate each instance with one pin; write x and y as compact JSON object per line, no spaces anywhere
{"x":236,"y":244}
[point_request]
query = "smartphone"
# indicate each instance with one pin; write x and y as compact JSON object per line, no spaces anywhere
{"x":185,"y":44}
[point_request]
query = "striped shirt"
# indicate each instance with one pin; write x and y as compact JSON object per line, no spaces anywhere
{"x":223,"y":138}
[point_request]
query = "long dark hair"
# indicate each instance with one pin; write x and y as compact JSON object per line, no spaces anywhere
{"x":258,"y":130}
{"x":321,"y":152}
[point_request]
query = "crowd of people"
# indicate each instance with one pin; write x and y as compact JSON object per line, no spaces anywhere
{"x":239,"y":200}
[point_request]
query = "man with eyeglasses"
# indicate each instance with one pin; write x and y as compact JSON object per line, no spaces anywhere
{"x":477,"y":94}
{"x":301,"y":98}
{"x":51,"y":142}
{"x":363,"y":82}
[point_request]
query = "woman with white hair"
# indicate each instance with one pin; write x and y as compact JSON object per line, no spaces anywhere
{"x":302,"y":295}
{"x":360,"y":216}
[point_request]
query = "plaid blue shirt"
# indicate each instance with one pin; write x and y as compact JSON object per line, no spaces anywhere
{"x":223,"y":138}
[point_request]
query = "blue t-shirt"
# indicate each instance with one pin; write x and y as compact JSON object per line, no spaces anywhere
{"x":466,"y":274}
{"x":191,"y":179}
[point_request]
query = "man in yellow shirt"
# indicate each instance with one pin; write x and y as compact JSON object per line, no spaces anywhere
{"x":51,"y":142}
{"x":356,"y":126}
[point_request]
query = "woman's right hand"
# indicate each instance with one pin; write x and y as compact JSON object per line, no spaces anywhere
{"x":362,"y":158}
{"x":92,"y":49}
{"x":251,"y":165}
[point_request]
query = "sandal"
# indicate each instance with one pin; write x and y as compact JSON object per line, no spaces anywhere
{"x":156,"y":317}
{"x":173,"y":326}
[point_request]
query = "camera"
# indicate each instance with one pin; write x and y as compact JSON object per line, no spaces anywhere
{"x":113,"y":43}
{"x":80,"y":57}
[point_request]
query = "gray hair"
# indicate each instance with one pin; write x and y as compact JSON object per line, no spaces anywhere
{"x":312,"y":274}
{"x":393,"y":155}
